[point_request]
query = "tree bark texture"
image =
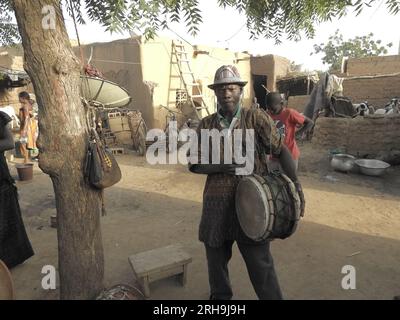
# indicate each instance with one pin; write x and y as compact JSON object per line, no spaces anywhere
{"x":55,"y":71}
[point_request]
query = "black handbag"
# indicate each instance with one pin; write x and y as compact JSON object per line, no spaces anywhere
{"x":101,"y":169}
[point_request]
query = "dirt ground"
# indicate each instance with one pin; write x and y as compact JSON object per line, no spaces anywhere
{"x":350,"y":220}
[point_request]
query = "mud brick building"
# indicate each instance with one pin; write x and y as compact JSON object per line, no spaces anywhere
{"x":373,"y":79}
{"x":362,"y":136}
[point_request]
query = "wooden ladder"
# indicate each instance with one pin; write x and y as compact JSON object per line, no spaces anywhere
{"x":187,"y":79}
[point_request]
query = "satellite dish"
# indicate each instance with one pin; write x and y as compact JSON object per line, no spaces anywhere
{"x":103,"y":92}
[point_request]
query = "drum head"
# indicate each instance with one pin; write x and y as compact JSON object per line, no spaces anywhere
{"x":252,"y":208}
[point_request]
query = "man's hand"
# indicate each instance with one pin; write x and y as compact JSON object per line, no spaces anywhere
{"x":299,"y":190}
{"x":302,"y":133}
{"x":301,"y":136}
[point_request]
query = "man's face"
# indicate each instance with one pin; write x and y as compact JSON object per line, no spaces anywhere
{"x":228,"y":96}
{"x":275,"y":105}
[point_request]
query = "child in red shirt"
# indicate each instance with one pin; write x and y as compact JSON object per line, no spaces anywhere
{"x":288,"y":121}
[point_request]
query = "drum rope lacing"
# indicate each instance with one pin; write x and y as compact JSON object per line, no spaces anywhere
{"x":283,"y":193}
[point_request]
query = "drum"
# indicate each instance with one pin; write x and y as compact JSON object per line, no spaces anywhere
{"x":267,"y":207}
{"x":121,"y":292}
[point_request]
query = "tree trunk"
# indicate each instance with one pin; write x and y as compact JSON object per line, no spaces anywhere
{"x":54,"y":71}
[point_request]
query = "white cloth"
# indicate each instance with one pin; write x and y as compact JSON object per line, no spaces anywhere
{"x":334,"y":86}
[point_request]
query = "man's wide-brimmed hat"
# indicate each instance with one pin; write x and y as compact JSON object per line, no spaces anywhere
{"x":227,"y":75}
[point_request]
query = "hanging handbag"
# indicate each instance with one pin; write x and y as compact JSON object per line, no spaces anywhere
{"x":101,"y":169}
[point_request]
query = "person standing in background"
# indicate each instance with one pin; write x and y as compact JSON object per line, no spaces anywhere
{"x":15,"y":246}
{"x":28,"y":127}
{"x":35,"y":118}
{"x":290,"y":124}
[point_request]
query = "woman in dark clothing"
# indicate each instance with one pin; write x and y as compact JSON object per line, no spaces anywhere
{"x":15,"y":247}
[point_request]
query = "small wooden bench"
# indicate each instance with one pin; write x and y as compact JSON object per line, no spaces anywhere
{"x":158,"y":264}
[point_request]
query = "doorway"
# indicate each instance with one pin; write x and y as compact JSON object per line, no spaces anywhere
{"x":259,"y":91}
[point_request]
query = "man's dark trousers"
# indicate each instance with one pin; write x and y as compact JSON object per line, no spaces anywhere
{"x":259,"y":264}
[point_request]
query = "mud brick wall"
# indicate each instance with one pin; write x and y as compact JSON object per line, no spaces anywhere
{"x":12,"y":58}
{"x":272,"y":66}
{"x":373,"y":65}
{"x":298,"y":103}
{"x":377,"y":91}
{"x":359,"y":136}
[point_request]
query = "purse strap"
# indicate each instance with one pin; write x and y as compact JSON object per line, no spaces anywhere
{"x":103,"y":206}
{"x":95,"y":139}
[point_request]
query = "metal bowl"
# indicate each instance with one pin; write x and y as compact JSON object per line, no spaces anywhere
{"x":343,"y":162}
{"x":372,"y":167}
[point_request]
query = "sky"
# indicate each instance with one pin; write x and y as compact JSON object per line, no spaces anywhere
{"x":222,"y":24}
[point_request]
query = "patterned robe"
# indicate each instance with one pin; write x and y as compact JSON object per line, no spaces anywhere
{"x":219,"y":222}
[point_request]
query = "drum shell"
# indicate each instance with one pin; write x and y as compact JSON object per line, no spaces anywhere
{"x":282,"y":208}
{"x":285,"y":222}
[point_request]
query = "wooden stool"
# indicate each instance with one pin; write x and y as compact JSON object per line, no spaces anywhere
{"x":158,"y":264}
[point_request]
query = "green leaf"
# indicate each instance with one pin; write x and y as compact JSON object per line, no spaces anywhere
{"x":292,"y":19}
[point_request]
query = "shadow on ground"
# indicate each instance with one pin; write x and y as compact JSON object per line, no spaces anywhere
{"x":308,"y":264}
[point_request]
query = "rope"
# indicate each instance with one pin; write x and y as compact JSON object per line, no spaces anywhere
{"x":234,"y":35}
{"x":76,"y":29}
{"x":86,"y":81}
{"x":116,"y":61}
{"x":179,"y":36}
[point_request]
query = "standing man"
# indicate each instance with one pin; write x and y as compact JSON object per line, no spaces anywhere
{"x":28,"y":126}
{"x":287,"y":121}
{"x":219,"y":226}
